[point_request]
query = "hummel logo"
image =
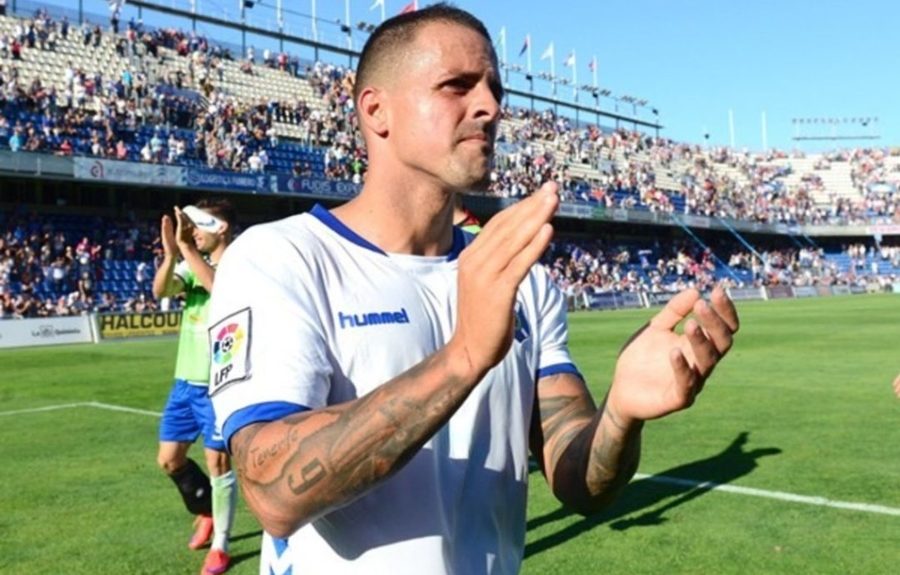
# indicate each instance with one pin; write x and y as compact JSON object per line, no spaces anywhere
{"x":373,"y":318}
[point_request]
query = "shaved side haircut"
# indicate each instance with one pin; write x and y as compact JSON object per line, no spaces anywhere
{"x":388,"y":40}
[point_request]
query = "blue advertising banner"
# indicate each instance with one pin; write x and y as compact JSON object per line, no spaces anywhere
{"x":237,"y":181}
{"x":316,"y":187}
{"x":128,"y":172}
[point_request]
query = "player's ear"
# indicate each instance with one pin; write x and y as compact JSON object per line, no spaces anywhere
{"x":372,"y":111}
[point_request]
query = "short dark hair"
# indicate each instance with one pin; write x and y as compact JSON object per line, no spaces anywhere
{"x":221,"y":208}
{"x":396,"y":32}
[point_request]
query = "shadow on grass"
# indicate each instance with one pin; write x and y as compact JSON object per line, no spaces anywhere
{"x":247,"y":535}
{"x":683,"y":483}
{"x":241,"y":557}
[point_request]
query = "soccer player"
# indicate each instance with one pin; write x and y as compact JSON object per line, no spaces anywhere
{"x":200,"y":235}
{"x":380,"y":375}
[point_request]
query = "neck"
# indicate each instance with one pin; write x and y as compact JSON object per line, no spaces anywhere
{"x":402,"y":217}
{"x":215,"y":255}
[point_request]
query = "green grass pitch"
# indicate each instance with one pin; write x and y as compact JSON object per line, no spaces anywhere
{"x":798,"y":421}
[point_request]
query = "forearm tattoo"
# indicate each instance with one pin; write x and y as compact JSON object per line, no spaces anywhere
{"x":324,"y":458}
{"x":589,"y":455}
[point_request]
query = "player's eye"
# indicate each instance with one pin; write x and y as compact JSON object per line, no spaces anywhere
{"x":458,"y":85}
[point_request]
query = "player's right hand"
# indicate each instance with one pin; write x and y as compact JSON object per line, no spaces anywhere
{"x":167,"y":236}
{"x":897,"y":385}
{"x":490,"y":271}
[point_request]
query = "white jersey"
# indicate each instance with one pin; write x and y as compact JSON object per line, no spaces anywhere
{"x":305,"y":314}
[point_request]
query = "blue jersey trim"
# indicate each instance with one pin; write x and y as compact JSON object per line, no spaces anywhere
{"x":460,"y":241}
{"x":261,"y":412}
{"x":338,"y":226}
{"x":559,"y":368}
{"x":323,"y":215}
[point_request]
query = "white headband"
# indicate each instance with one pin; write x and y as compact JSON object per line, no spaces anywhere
{"x":202,"y":219}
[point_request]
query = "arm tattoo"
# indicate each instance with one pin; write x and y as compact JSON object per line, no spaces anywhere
{"x":315,"y":461}
{"x":589,"y":455}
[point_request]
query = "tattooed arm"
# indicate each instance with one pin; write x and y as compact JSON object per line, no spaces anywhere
{"x":588,"y":455}
{"x":305,"y":465}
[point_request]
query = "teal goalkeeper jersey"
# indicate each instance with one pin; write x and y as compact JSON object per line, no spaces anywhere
{"x":192,"y":363}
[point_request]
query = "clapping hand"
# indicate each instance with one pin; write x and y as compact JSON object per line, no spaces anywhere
{"x":661,"y":371}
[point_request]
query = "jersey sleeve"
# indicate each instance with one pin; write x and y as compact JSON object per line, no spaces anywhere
{"x":554,"y":327}
{"x":268,"y":357}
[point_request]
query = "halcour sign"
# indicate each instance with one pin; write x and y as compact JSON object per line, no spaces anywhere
{"x":113,"y":325}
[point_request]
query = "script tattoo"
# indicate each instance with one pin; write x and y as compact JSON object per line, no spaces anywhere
{"x":261,"y":455}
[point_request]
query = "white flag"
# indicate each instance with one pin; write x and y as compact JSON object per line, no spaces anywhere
{"x":548,"y":53}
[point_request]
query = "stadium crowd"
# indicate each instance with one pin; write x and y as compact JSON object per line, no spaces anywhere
{"x":51,"y":267}
{"x":191,"y":117}
{"x":157,"y":111}
{"x":582,"y":267}
{"x":46,"y":270}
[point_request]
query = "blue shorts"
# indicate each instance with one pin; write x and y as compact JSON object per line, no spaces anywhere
{"x":188,"y":413}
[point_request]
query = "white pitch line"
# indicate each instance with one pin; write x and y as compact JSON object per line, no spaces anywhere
{"x":96,"y":404}
{"x":122,"y":408}
{"x":780,"y":495}
{"x":39,"y":409}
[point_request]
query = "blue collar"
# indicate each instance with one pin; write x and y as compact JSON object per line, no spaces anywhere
{"x":323,"y":215}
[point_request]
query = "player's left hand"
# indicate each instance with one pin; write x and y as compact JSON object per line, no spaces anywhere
{"x":660,"y":371}
{"x":184,"y":228}
{"x":897,"y":385}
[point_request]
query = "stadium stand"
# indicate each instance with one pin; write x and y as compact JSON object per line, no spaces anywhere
{"x":274,"y":116}
{"x":169,"y":97}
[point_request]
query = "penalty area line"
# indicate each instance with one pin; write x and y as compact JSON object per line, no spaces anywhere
{"x":779,"y":495}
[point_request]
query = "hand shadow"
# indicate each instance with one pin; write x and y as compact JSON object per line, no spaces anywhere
{"x":684,"y":483}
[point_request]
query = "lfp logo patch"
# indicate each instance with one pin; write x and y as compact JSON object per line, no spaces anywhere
{"x":228,"y":342}
{"x":230,"y":350}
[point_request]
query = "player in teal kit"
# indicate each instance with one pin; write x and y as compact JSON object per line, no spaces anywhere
{"x":200,"y":235}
